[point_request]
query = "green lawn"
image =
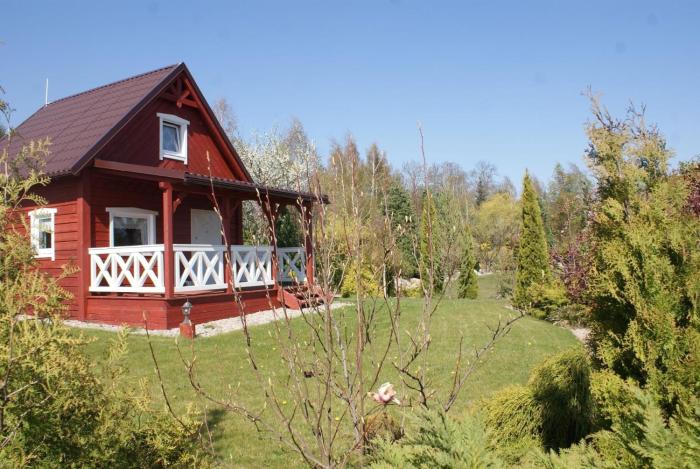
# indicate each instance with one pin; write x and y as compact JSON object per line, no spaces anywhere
{"x":222,"y":363}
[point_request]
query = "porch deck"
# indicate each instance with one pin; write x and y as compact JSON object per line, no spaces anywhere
{"x":132,"y":280}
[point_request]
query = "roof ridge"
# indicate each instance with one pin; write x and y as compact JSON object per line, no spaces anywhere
{"x":91,"y":90}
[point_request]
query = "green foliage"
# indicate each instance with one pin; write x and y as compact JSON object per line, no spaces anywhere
{"x":495,"y":230}
{"x":287,"y":228}
{"x":81,"y":419}
{"x":644,"y":289}
{"x":369,"y":283}
{"x":400,"y":211}
{"x":552,"y":411}
{"x":581,"y":455}
{"x":513,"y":414}
{"x":440,"y":441}
{"x":533,"y":256}
{"x":643,"y":438}
{"x":613,"y":398}
{"x":546,"y":300}
{"x":561,"y":385}
{"x":571,"y":315}
{"x":468,"y":285}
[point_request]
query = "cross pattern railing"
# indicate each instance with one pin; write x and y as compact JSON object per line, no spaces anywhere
{"x":292,"y":264}
{"x":127,"y":269}
{"x":199,"y":267}
{"x":252,"y":266}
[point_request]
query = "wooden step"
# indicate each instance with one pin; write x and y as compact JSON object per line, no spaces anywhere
{"x":297,"y":297}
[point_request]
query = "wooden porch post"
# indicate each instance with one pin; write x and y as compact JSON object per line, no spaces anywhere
{"x":226,"y":215}
{"x":84,"y":243}
{"x":307,"y":212}
{"x":168,"y":255}
{"x":271,"y":211}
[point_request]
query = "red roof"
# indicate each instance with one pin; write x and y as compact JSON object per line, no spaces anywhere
{"x":79,"y":125}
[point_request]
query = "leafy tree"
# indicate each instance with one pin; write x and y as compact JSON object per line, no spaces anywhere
{"x":533,"y":257}
{"x":495,"y":232}
{"x":468,"y":285}
{"x":644,"y":288}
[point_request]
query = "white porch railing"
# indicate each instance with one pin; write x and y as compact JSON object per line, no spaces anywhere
{"x":252,"y":265}
{"x":292,"y":264}
{"x":199,"y":267}
{"x":127,"y":269}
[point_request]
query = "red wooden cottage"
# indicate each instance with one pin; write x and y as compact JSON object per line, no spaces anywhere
{"x":131,"y":201}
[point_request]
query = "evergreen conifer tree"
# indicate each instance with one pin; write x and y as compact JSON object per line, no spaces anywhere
{"x":398,"y":207}
{"x":468,"y":286}
{"x":533,"y":258}
{"x":644,"y":288}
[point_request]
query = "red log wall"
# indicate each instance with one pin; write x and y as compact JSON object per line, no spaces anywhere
{"x":139,"y":142}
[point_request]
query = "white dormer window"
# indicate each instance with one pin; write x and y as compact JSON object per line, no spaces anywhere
{"x":173,"y":137}
{"x":42,"y":222}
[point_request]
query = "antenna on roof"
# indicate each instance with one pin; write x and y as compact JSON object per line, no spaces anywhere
{"x":46,"y":93}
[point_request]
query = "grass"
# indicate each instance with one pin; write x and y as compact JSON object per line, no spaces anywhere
{"x":222,"y":364}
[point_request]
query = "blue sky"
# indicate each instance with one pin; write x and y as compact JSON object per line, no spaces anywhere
{"x":495,"y":81}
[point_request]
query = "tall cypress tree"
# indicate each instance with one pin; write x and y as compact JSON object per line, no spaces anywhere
{"x":468,"y":286}
{"x":533,"y":257}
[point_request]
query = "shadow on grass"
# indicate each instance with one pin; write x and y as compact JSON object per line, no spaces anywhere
{"x":212,"y":431}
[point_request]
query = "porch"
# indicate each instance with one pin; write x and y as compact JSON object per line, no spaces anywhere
{"x":198,"y":268}
{"x":156,"y":238}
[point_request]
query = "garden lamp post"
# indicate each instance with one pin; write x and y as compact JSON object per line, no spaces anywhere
{"x":187,"y":329}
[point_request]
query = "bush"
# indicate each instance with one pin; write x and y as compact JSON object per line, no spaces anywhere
{"x":572,"y":315}
{"x":613,"y":398}
{"x":440,"y":441}
{"x":547,"y":299}
{"x":513,"y":414}
{"x":553,"y":410}
{"x":369,"y":283}
{"x":642,"y":438}
{"x":414,"y":292}
{"x":561,"y":385}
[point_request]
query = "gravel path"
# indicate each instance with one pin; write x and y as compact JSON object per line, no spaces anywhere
{"x":581,"y":333}
{"x":206,"y":329}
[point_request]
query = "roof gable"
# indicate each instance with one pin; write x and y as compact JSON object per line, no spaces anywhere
{"x":79,"y":126}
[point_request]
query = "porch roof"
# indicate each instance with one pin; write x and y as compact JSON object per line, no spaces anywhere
{"x":254,"y":190}
{"x":250,"y":190}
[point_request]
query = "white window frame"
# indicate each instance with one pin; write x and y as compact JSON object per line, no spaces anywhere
{"x":43,"y":253}
{"x":181,"y":124}
{"x":132,"y":212}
